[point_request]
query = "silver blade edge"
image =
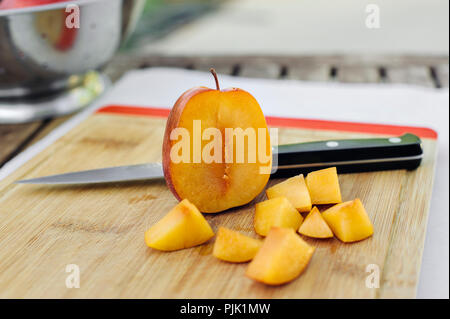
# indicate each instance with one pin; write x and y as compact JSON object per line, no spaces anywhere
{"x":138,"y":172}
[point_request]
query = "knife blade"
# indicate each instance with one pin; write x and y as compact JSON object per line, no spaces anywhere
{"x":349,"y":156}
{"x":103,"y":175}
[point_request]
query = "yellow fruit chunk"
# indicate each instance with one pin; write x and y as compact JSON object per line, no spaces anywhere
{"x":234,"y":247}
{"x":183,"y":227}
{"x":277,"y":212}
{"x":349,"y":221}
{"x":324,"y":187}
{"x":315,"y":226}
{"x":282,"y":257}
{"x":295,"y":190}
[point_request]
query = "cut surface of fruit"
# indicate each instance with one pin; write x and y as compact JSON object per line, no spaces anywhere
{"x":277,"y":212}
{"x":233,"y":246}
{"x":217,"y":174}
{"x":315,"y":226}
{"x":323,"y":186}
{"x":295,"y":190}
{"x":183,"y":227}
{"x":349,"y":221}
{"x":282,"y":257}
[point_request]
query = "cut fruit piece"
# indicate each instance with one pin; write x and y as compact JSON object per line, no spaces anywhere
{"x":324,"y":187}
{"x":183,"y":227}
{"x":349,"y":221}
{"x":295,"y":190}
{"x":315,"y":226}
{"x":216,"y":148}
{"x":282,"y":257}
{"x":277,"y":212}
{"x":235,"y":247}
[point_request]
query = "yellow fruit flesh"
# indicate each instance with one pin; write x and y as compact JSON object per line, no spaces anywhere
{"x":217,"y":186}
{"x":282,"y":257}
{"x":235,"y":247}
{"x":323,"y":186}
{"x":349,"y":221}
{"x":295,"y":190}
{"x":277,"y":212}
{"x":315,"y":226}
{"x":183,"y":227}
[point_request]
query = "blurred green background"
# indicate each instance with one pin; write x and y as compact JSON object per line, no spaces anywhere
{"x":160,"y":17}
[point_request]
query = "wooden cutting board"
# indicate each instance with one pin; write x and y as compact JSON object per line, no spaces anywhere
{"x":101,"y":228}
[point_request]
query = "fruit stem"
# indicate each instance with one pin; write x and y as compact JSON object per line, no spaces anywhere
{"x":213,"y":72}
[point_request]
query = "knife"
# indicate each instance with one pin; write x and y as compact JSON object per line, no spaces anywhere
{"x":349,"y":156}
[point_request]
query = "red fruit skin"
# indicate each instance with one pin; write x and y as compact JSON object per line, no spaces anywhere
{"x":68,"y":36}
{"x":172,"y":123}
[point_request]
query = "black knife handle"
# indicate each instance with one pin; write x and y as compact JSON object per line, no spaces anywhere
{"x":349,"y":156}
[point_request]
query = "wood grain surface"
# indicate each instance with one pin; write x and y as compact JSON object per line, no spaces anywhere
{"x":101,"y":228}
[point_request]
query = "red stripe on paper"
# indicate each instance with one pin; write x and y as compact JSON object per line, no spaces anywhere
{"x":382,"y":129}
